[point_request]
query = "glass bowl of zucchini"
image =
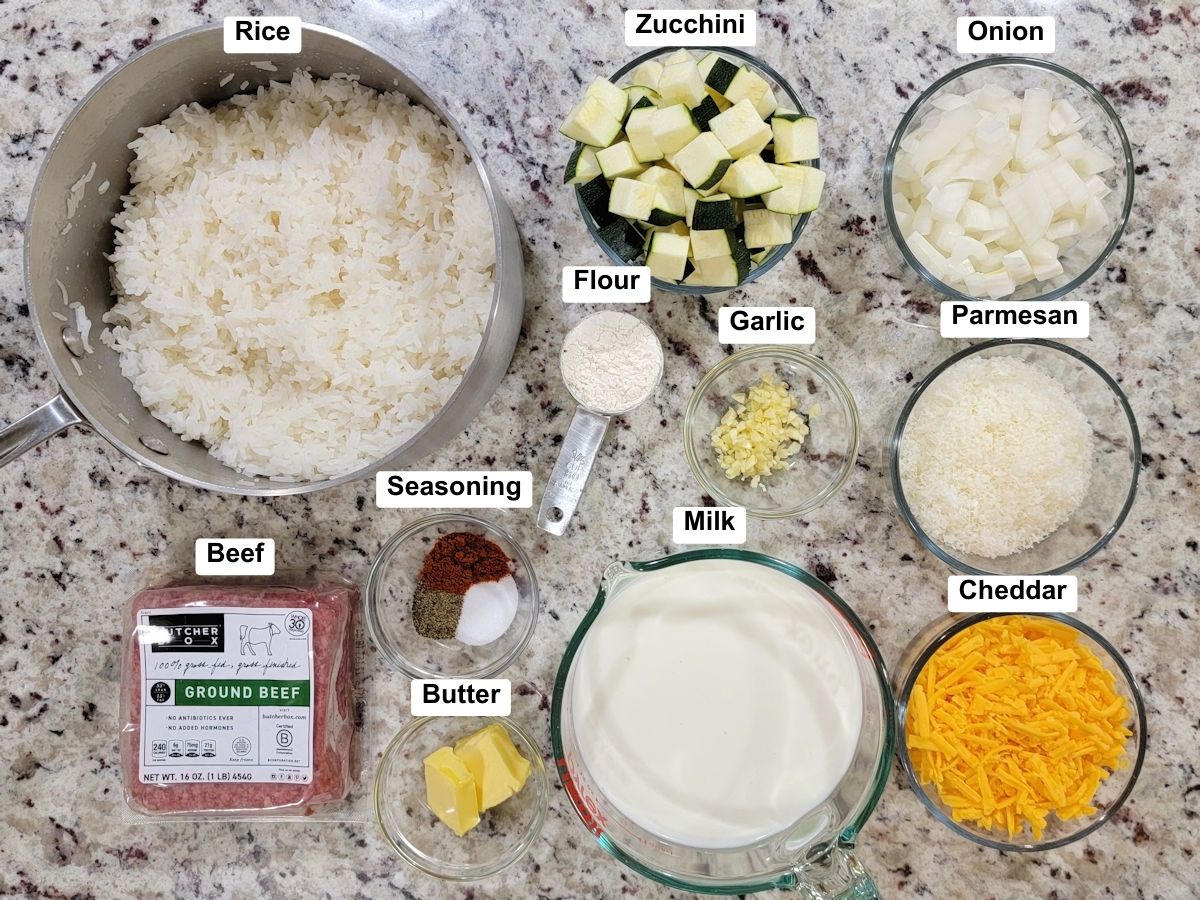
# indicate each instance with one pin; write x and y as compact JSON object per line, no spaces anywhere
{"x":701,"y":164}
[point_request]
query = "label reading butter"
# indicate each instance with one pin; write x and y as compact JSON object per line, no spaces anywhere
{"x":1005,"y":34}
{"x":1012,"y":593}
{"x":454,"y":490}
{"x":235,"y":556}
{"x":262,"y":34}
{"x":606,"y":284}
{"x":766,"y":325}
{"x":461,"y":697}
{"x":708,"y":525}
{"x":1016,"y":319}
{"x":691,"y":27}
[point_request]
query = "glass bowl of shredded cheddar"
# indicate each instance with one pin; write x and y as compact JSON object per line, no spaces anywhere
{"x":771,"y":429}
{"x":1020,"y":732}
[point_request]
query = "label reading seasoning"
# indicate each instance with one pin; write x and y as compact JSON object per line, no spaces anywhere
{"x":1005,"y":34}
{"x":235,"y":556}
{"x":1012,"y":593}
{"x":461,"y":697}
{"x":766,"y":325}
{"x":259,"y":34}
{"x":708,"y":525}
{"x":1016,"y":319}
{"x":691,"y":27}
{"x":226,"y":695}
{"x":454,"y":490}
{"x":606,"y":284}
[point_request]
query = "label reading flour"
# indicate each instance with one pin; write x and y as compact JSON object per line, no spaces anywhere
{"x":606,"y":284}
{"x":226,"y":695}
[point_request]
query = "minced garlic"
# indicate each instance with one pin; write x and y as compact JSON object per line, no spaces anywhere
{"x":759,"y":432}
{"x":1014,"y":719}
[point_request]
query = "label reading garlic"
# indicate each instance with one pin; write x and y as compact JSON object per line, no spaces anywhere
{"x":1005,"y":34}
{"x":766,"y":325}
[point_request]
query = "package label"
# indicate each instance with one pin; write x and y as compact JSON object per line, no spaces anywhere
{"x":227,"y":695}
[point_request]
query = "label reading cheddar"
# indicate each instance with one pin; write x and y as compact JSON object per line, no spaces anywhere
{"x":226,"y":695}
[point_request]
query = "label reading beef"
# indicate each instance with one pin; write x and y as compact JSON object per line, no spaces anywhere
{"x":226,"y":695}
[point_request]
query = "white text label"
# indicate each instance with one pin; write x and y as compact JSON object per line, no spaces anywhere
{"x":461,"y":697}
{"x":1005,"y":34}
{"x":691,"y":27}
{"x":235,"y":556}
{"x":454,"y":490}
{"x":708,"y":525}
{"x":606,"y":284}
{"x":1012,"y":593}
{"x":1015,"y":318}
{"x":262,"y":34}
{"x":766,"y":325}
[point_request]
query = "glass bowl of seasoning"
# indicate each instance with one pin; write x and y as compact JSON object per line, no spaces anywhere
{"x":451,"y":596}
{"x":771,"y":429}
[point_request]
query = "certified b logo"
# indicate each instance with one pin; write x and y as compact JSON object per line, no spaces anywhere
{"x":160,"y":692}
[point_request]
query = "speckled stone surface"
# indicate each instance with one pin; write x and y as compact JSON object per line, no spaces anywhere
{"x":82,"y":527}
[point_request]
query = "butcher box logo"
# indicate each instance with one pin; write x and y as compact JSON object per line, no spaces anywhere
{"x":186,"y":633}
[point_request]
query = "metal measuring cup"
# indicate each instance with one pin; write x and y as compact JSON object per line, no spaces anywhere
{"x":581,"y":444}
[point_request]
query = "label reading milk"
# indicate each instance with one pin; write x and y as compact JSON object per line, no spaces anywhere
{"x":461,"y":697}
{"x":454,"y":490}
{"x":226,"y":695}
{"x":606,"y":284}
{"x":235,"y":556}
{"x":1016,"y":318}
{"x":1005,"y":34}
{"x":708,"y":525}
{"x":1012,"y":593}
{"x":691,"y":27}
{"x":262,"y":34}
{"x":766,"y":325}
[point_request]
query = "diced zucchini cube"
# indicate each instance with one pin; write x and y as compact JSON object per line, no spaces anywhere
{"x":718,"y":98}
{"x":622,"y":238}
{"x":674,"y":128}
{"x":712,"y":243}
{"x":715,"y":212}
{"x":748,"y":177}
{"x":669,"y":204}
{"x":795,"y":138}
{"x":619,"y":160}
{"x":703,"y":161}
{"x":631,"y":198}
{"x":594,"y":197}
{"x":590,"y":122}
{"x":765,"y":228}
{"x":789,"y":199}
{"x":690,"y":198}
{"x":814,"y":182}
{"x":582,"y":166}
{"x":741,"y":129}
{"x":725,"y":271}
{"x":748,"y":84}
{"x":704,"y":112}
{"x":613,"y":97}
{"x":706,"y":63}
{"x":648,"y":73}
{"x":720,"y":74}
{"x":681,"y":83}
{"x":668,"y":255}
{"x":640,"y":98}
{"x":679,"y":56}
{"x":639,"y":129}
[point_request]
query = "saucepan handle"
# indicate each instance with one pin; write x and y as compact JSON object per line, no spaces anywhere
{"x":43,"y":423}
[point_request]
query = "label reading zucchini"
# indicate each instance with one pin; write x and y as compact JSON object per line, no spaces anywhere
{"x":606,"y":284}
{"x":691,"y":28}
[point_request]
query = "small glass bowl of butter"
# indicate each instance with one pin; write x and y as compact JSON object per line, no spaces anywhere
{"x":422,"y":786}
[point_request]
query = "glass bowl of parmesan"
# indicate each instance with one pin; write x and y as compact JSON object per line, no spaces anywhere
{"x":772,"y":429}
{"x":1015,"y":457}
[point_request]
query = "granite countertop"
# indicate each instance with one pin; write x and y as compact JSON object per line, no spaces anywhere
{"x":82,"y":527}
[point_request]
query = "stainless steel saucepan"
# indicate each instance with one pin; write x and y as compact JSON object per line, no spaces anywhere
{"x":66,"y":253}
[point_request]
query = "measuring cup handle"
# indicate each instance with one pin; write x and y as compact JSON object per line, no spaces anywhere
{"x":29,"y":431}
{"x":837,"y":875}
{"x":571,"y":470}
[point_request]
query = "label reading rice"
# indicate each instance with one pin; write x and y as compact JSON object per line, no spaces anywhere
{"x":226,"y":695}
{"x":1012,"y":593}
{"x":258,"y":34}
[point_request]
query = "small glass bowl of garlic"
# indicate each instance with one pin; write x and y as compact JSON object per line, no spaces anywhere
{"x":1010,"y":178}
{"x":772,"y":429}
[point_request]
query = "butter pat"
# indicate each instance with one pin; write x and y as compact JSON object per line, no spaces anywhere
{"x":450,"y":791}
{"x":498,"y":768}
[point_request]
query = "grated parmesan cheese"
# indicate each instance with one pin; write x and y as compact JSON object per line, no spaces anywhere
{"x":760,"y":432}
{"x":1013,"y":720}
{"x":995,"y":456}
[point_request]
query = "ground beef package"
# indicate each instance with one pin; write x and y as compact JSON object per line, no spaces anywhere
{"x":237,"y":699}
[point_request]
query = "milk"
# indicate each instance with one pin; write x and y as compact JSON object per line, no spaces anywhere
{"x":716,"y":702}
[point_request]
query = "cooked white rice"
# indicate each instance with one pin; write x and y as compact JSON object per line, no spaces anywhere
{"x":302,"y":276}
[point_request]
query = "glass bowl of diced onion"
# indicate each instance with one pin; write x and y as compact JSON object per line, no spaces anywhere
{"x":785,"y":96}
{"x":814,"y":471}
{"x":1113,"y":790}
{"x":1087,"y":203}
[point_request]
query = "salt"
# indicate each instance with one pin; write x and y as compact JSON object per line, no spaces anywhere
{"x":487,"y":612}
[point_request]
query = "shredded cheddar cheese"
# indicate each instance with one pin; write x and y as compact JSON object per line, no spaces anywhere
{"x":1013,"y":720}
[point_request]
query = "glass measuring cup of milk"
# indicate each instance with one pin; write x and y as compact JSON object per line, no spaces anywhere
{"x":754,"y":769}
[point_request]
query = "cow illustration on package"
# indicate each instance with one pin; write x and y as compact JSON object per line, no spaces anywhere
{"x":261,"y":636}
